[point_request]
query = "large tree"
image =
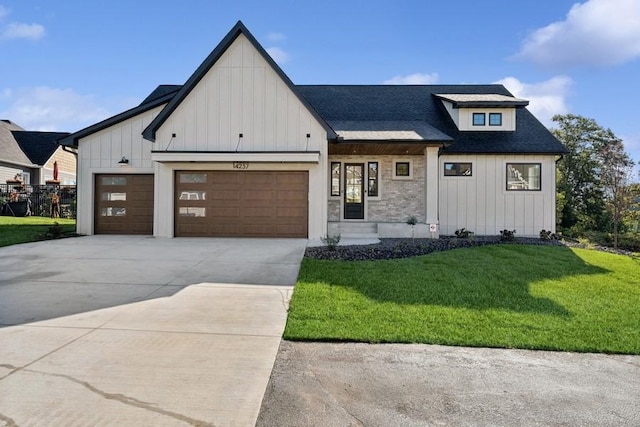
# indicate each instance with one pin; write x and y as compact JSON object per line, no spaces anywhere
{"x":581,"y":197}
{"x":590,"y":176}
{"x":615,"y":175}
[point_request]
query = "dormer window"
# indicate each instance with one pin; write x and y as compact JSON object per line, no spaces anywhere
{"x":478,"y":119}
{"x":495,"y":119}
{"x":482,"y":112}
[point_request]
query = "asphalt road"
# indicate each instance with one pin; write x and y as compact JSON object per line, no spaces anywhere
{"x":327,"y":384}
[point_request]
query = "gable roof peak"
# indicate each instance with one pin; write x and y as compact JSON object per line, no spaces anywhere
{"x":150,"y":132}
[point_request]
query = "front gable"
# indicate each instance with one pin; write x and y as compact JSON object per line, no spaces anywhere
{"x":238,"y":101}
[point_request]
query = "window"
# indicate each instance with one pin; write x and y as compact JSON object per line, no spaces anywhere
{"x":458,"y":169}
{"x":114,"y":211}
{"x":373,"y":179}
{"x":402,"y":169}
{"x":495,"y":119}
{"x":109,"y":196}
{"x":193,"y":195}
{"x":192,"y":212}
{"x":478,"y":119}
{"x":114,"y":180}
{"x":335,"y":178}
{"x":193,"y":178}
{"x":523,"y":176}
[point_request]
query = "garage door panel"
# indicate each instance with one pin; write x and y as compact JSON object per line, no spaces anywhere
{"x":123,"y":204}
{"x":244,"y":203}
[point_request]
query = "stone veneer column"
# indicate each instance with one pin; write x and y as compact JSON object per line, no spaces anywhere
{"x":431,"y":185}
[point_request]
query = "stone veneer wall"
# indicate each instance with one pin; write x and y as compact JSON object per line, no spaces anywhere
{"x":334,"y":210}
{"x":399,"y":198}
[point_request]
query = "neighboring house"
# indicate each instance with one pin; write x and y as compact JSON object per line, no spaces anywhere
{"x":31,"y":155}
{"x":239,"y":150}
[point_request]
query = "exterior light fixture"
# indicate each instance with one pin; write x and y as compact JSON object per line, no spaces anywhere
{"x":124,"y":162}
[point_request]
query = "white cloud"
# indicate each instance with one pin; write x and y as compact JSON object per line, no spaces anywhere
{"x":4,"y":12}
{"x":278,"y":54}
{"x":276,"y":37}
{"x":546,"y":98}
{"x":413,"y":79}
{"x":51,"y":109}
{"x":23,"y":31}
{"x":596,"y":33}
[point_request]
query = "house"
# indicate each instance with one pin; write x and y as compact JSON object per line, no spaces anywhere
{"x":239,"y":150}
{"x":31,"y":155}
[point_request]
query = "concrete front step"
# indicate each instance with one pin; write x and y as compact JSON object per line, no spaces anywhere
{"x":358,"y":230}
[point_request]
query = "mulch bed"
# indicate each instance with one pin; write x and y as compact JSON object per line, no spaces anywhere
{"x":405,"y":248}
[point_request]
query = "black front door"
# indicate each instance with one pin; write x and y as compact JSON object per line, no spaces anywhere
{"x":354,"y":191}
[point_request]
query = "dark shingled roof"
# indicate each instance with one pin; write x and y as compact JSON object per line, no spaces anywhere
{"x":161,"y":91}
{"x":38,"y":146}
{"x":384,"y":103}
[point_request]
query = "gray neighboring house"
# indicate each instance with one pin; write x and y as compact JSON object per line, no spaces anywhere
{"x":240,"y":150}
{"x":30,"y":155}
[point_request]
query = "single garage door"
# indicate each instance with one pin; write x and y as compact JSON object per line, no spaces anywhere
{"x":124,"y":204}
{"x":241,"y":204}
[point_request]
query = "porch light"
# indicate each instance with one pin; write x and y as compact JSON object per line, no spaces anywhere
{"x":124,"y":162}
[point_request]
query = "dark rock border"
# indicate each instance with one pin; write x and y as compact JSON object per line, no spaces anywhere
{"x":405,"y":248}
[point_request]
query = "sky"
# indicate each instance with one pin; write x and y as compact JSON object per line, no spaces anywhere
{"x":67,"y":64}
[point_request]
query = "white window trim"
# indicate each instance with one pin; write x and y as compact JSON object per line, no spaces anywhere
{"x":402,"y":178}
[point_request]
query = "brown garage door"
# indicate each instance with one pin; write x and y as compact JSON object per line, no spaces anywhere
{"x":241,"y":204}
{"x":124,"y":204}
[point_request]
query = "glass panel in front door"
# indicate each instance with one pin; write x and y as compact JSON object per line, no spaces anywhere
{"x":354,"y":191}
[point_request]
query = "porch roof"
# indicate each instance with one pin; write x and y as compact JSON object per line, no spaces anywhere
{"x":388,"y":131}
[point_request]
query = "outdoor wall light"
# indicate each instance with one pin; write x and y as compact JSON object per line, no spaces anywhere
{"x":123,"y":162}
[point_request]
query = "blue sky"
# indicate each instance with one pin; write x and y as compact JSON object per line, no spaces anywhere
{"x":67,"y":64}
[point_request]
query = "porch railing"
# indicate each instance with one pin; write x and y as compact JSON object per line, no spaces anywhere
{"x":35,"y":200}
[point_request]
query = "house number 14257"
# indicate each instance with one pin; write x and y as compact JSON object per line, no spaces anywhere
{"x":241,"y":165}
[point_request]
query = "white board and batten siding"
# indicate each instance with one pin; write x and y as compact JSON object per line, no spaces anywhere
{"x":482,"y":204}
{"x":241,"y":94}
{"x":100,"y":153}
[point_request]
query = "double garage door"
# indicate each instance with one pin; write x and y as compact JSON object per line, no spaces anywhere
{"x":241,"y":203}
{"x":208,"y":204}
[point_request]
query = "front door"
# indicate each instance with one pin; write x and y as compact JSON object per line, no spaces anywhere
{"x":354,"y":191}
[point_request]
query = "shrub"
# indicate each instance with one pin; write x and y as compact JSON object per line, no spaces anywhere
{"x":331,"y":242}
{"x":412,"y":220}
{"x":507,"y":235}
{"x":548,"y":235}
{"x":463,"y":233}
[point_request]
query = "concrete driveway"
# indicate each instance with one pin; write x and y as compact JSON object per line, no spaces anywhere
{"x":124,"y":330}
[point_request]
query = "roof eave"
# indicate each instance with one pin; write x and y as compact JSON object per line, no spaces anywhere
{"x":72,"y":139}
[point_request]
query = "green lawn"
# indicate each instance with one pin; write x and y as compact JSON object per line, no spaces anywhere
{"x":513,"y":296}
{"x":15,"y":230}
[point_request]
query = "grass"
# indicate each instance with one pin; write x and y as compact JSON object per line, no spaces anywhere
{"x":511,"y":296}
{"x":14,"y":230}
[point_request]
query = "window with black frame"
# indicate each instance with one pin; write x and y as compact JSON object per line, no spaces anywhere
{"x":373,"y":179}
{"x":335,"y":178}
{"x":458,"y":169}
{"x":524,"y":177}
